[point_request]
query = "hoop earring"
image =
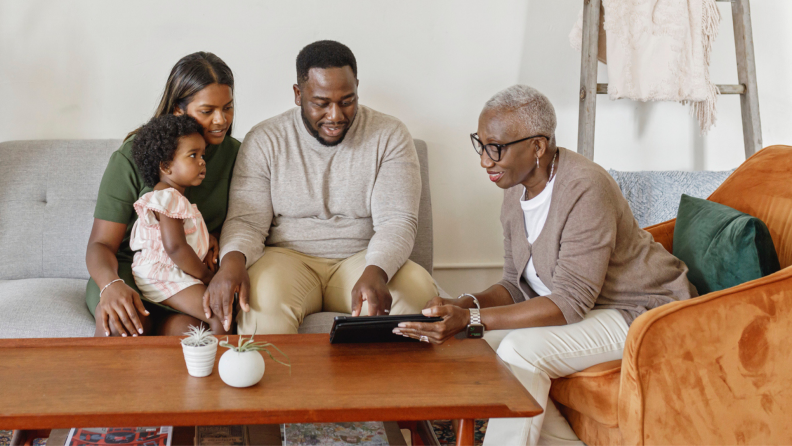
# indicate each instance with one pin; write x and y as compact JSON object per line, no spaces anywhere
{"x":537,"y":161}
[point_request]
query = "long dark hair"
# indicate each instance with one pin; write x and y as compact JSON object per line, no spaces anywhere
{"x":191,"y":74}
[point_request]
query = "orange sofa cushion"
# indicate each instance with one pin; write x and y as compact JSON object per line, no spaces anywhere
{"x":590,"y":431}
{"x":593,"y":392}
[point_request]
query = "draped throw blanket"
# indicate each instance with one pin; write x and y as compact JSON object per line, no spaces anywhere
{"x":659,"y":50}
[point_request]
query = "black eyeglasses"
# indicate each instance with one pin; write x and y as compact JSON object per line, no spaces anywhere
{"x":494,"y":151}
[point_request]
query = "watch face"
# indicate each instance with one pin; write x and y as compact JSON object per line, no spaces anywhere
{"x":475,"y":331}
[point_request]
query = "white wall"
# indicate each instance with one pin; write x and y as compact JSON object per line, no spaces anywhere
{"x":95,"y":69}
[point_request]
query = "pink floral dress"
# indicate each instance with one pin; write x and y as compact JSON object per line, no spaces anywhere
{"x":157,"y":277}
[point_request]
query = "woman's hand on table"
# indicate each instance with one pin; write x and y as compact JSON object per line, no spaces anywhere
{"x":211,"y":258}
{"x":119,"y":304}
{"x":455,"y":319}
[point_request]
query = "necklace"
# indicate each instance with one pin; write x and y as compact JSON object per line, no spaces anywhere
{"x":552,"y":168}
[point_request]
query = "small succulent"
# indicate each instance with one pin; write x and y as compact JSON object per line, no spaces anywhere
{"x":250,"y":346}
{"x":198,"y":336}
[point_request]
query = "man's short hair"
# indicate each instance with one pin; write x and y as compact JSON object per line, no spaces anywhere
{"x":530,"y":108}
{"x":324,"y":54}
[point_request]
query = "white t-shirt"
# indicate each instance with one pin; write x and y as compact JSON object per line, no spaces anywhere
{"x":535,"y":212}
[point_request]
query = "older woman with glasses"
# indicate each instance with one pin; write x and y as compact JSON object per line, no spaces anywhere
{"x":577,"y":267}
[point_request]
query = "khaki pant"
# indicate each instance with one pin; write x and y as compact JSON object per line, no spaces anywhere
{"x":286,"y":286}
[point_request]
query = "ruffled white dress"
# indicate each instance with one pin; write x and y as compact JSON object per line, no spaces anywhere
{"x":157,"y":277}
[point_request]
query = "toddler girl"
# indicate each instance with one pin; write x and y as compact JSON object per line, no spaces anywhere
{"x":170,"y":235}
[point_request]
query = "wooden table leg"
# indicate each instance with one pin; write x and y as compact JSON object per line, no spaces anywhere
{"x":465,"y":432}
{"x":412,"y":426}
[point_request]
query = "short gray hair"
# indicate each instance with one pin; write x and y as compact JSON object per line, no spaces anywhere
{"x":532,"y":110}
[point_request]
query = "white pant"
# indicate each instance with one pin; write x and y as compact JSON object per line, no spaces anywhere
{"x":537,"y":355}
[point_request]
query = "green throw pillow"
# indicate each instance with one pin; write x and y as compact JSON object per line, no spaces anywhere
{"x":721,"y":246}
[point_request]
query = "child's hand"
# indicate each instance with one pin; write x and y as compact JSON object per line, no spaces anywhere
{"x":207,"y":277}
{"x":212,"y":256}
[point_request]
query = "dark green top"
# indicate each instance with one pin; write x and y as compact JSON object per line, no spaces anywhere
{"x":122,"y":185}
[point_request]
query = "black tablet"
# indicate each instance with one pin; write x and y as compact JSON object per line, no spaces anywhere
{"x":350,"y":330}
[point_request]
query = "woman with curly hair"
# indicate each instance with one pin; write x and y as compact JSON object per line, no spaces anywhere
{"x":202,"y":86}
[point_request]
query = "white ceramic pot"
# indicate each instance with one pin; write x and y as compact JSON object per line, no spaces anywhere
{"x":200,"y":360}
{"x":241,"y":369}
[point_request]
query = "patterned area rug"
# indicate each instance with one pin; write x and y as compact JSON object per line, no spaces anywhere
{"x":5,"y":439}
{"x":444,"y":431}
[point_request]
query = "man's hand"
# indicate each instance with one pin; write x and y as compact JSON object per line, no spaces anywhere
{"x":372,"y":287}
{"x":231,"y":278}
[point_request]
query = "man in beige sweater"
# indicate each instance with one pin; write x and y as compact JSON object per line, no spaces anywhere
{"x":323,"y":208}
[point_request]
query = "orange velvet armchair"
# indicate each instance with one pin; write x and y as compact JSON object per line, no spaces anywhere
{"x":716,"y":369}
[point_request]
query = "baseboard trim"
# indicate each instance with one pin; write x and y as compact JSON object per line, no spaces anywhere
{"x":483,"y":265}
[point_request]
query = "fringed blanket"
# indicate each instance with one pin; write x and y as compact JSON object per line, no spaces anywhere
{"x":659,"y":50}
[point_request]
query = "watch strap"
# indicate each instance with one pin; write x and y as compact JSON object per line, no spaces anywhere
{"x":475,"y":316}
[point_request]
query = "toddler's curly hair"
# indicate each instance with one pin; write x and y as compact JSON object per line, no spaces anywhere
{"x":156,"y":143}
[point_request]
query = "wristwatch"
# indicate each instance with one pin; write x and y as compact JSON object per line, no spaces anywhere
{"x":475,"y":329}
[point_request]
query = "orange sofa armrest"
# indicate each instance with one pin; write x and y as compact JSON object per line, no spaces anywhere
{"x":716,"y":369}
{"x":663,"y":233}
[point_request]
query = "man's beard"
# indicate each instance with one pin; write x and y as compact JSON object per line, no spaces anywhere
{"x":315,"y":133}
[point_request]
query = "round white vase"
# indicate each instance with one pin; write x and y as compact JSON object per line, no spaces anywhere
{"x":200,"y":360}
{"x":241,"y":369}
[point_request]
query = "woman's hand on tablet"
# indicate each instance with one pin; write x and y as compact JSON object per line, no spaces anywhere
{"x":455,"y":319}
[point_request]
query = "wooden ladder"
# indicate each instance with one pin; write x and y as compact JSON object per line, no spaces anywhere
{"x":746,"y":74}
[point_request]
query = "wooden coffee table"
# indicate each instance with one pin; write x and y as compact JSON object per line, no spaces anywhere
{"x":89,"y":382}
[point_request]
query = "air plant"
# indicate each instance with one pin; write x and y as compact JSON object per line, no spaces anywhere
{"x":250,"y":346}
{"x":198,"y":336}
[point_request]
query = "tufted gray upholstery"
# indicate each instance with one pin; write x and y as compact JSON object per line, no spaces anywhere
{"x":47,"y":196}
{"x":654,"y":195}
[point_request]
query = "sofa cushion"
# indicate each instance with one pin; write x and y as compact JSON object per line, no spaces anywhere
{"x":47,"y":197}
{"x":44,"y":308}
{"x":653,"y":196}
{"x":721,"y":246}
{"x":593,"y":392}
{"x":318,"y":322}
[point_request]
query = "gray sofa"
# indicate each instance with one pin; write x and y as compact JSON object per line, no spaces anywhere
{"x":47,"y":195}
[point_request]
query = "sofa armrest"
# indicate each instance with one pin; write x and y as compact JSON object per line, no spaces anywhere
{"x":663,"y":233}
{"x":716,"y":369}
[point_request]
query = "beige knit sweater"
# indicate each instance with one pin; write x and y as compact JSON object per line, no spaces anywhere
{"x":290,"y":191}
{"x":591,"y":252}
